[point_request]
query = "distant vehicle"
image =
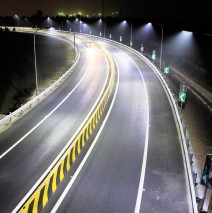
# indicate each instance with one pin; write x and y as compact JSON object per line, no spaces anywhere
{"x":89,"y":44}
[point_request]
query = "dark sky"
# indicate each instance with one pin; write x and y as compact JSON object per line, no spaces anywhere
{"x":137,"y":8}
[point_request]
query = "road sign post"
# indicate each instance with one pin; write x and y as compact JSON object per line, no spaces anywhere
{"x":183,"y":87}
{"x":153,"y":55}
{"x":182,"y":95}
{"x":206,"y":178}
{"x":166,"y":70}
{"x":120,"y":39}
{"x":142,"y":48}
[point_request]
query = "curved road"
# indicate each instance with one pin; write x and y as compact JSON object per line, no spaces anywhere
{"x":135,"y":163}
{"x":42,"y":134}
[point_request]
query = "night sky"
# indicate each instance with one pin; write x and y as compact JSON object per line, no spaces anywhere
{"x":133,"y":8}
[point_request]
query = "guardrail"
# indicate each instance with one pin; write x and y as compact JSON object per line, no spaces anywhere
{"x":12,"y":117}
{"x":183,"y":131}
{"x":47,"y":187}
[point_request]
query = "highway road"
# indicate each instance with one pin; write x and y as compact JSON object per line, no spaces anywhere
{"x":31,"y":144}
{"x":136,"y":161}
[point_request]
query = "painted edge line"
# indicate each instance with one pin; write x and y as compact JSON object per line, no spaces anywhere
{"x":144,"y":161}
{"x":21,"y":203}
{"x":143,"y":169}
{"x":60,"y":200}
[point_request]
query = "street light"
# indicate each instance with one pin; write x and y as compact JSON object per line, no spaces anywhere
{"x":131,"y":34}
{"x":131,"y":41}
{"x":36,"y":72}
{"x":49,"y":21}
{"x":101,"y":32}
{"x":17,"y":17}
{"x":161,"y":44}
{"x":104,"y":28}
{"x":80,"y":25}
{"x":74,"y":40}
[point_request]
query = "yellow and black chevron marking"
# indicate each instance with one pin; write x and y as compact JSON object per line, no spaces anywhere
{"x":46,"y":189}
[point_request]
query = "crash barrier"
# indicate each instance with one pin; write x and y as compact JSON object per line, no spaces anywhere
{"x":12,"y":117}
{"x":183,"y":132}
{"x":40,"y":197}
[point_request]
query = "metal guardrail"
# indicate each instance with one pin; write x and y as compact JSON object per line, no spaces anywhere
{"x":183,"y":131}
{"x":9,"y":119}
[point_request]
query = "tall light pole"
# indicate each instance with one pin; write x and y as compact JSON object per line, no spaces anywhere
{"x":80,"y":25}
{"x":131,"y":34}
{"x":161,"y":43}
{"x":36,"y":71}
{"x":49,"y":21}
{"x":102,"y":25}
{"x":74,"y":42}
{"x":17,"y":17}
{"x":104,"y":28}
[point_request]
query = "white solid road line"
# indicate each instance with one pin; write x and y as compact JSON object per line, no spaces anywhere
{"x":36,"y":126}
{"x":143,"y":169}
{"x":62,"y":197}
{"x":67,"y":145}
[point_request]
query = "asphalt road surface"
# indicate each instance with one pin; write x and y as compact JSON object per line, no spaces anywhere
{"x":42,"y":133}
{"x":135,"y":164}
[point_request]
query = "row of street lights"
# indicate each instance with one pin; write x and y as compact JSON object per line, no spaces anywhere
{"x":131,"y":36}
{"x":36,"y":70}
{"x":104,"y":32}
{"x":49,"y":21}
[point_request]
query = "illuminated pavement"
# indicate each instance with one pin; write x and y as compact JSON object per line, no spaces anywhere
{"x":52,"y":123}
{"x":109,"y":180}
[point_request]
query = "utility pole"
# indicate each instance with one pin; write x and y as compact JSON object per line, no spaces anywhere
{"x":35,"y":61}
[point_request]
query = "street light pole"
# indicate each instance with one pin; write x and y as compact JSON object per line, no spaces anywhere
{"x":17,"y":17}
{"x":161,"y":44}
{"x":161,"y":48}
{"x":74,"y":42}
{"x":36,"y":72}
{"x":104,"y":28}
{"x":131,"y":34}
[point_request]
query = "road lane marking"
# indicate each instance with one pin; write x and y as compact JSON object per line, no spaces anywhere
{"x":36,"y":126}
{"x":143,"y":168}
{"x":65,"y":148}
{"x":74,"y":177}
